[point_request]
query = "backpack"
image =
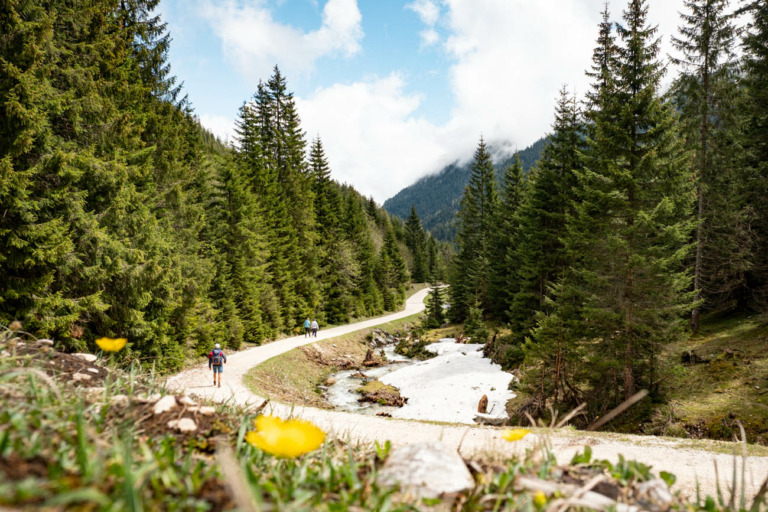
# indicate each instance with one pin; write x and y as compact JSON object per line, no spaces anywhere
{"x":216,"y":357}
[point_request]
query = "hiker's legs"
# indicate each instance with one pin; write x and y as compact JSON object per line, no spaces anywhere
{"x":217,"y":370}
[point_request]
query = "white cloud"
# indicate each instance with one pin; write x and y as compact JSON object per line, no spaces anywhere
{"x":429,"y":37}
{"x":508,"y":60}
{"x":428,"y":11}
{"x":371,"y":135}
{"x":220,"y":126}
{"x":255,"y":41}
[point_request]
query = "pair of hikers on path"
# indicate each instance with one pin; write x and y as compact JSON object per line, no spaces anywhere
{"x":216,"y":360}
{"x":313,"y":325}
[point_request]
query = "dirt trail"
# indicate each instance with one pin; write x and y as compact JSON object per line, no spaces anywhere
{"x":691,"y":465}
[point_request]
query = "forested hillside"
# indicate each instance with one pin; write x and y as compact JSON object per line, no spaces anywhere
{"x":436,"y":197}
{"x":121,"y":216}
{"x":644,"y":211}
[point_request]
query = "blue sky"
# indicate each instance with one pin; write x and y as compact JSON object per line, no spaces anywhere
{"x":395,"y":89}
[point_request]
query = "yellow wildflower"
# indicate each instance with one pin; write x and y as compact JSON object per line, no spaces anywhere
{"x":539,"y":499}
{"x":515,"y":434}
{"x":285,"y":438}
{"x":111,"y":344}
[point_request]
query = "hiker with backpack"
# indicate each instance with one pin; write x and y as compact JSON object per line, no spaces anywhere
{"x":307,"y":324}
{"x":216,"y":360}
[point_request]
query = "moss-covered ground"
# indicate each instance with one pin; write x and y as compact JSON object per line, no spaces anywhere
{"x":728,"y":384}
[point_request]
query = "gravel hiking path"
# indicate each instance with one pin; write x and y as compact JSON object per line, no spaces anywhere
{"x":690,"y":465}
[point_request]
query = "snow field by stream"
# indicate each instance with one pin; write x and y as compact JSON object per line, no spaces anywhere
{"x":449,"y":386}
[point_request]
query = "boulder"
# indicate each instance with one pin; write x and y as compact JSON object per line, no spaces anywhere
{"x":165,"y":404}
{"x":653,"y":495}
{"x":185,"y":400}
{"x":383,"y":394}
{"x":119,"y":400}
{"x":487,"y":419}
{"x":426,"y":470}
{"x":183,"y":425}
{"x":88,"y":358}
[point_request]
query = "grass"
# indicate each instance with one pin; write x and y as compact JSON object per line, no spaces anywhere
{"x":293,"y":377}
{"x":64,"y":447}
{"x":707,"y":400}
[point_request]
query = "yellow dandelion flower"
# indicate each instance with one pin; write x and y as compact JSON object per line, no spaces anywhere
{"x":111,"y":344}
{"x":285,"y":438}
{"x":515,"y":434}
{"x":539,"y":499}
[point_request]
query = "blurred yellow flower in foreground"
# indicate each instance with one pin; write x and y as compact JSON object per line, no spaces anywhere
{"x":285,"y":438}
{"x":515,"y":434}
{"x":111,"y":344}
{"x":539,"y":499}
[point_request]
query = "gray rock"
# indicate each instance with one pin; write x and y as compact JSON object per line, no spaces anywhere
{"x":77,"y":377}
{"x":165,"y":404}
{"x":205,"y":410}
{"x":185,"y":400}
{"x":119,"y":400}
{"x":93,"y":370}
{"x":94,"y":392}
{"x":426,"y":470}
{"x":183,"y":425}
{"x":88,"y":358}
{"x":45,"y":342}
{"x":488,"y":419}
{"x":653,"y":495}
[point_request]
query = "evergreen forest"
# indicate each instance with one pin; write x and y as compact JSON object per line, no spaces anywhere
{"x":121,"y":216}
{"x":647,"y":209}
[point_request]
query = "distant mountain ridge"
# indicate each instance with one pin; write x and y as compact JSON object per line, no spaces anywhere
{"x":437,"y":196}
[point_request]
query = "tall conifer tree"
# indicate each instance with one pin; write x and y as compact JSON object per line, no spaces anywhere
{"x":706,"y":95}
{"x":755,"y":140}
{"x":476,"y":218}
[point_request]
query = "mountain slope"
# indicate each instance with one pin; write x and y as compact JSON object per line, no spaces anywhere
{"x":436,"y":197}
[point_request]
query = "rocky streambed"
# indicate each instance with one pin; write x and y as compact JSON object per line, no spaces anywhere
{"x":447,"y":387}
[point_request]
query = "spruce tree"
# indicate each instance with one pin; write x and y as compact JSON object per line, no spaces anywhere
{"x":504,"y":269}
{"x":538,"y":255}
{"x":705,"y":94}
{"x":626,"y":290}
{"x":476,"y":218}
{"x":631,"y":228}
{"x":415,"y":240}
{"x":755,"y":141}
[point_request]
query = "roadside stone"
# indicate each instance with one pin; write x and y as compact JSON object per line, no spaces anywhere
{"x":183,"y":425}
{"x":119,"y":400}
{"x":330,"y":381}
{"x":653,"y":495}
{"x":93,"y":370}
{"x":426,"y":470}
{"x":45,"y":342}
{"x":165,"y":404}
{"x":205,"y":410}
{"x":78,"y":377}
{"x":90,"y":392}
{"x":185,"y":400}
{"x":88,"y":358}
